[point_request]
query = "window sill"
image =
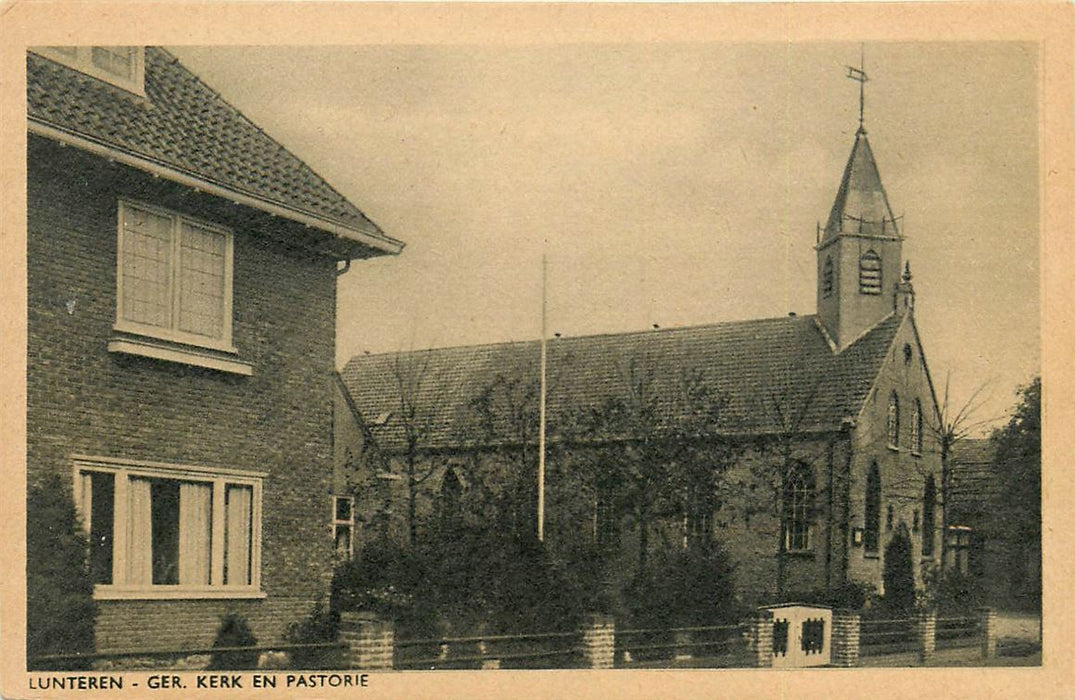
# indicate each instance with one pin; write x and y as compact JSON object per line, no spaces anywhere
{"x":173,"y":593}
{"x":800,"y":553}
{"x":871,"y":555}
{"x":182,"y":354}
{"x":894,"y":448}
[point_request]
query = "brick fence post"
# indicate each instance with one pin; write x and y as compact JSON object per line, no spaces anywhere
{"x":987,"y":619}
{"x":599,"y":641}
{"x":927,"y":635}
{"x":760,"y":639}
{"x":846,"y":634}
{"x":369,"y":641}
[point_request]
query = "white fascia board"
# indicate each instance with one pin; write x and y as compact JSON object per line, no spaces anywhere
{"x":384,"y":244}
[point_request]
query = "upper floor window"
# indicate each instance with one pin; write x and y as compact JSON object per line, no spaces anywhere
{"x":916,"y":428}
{"x":122,"y":66}
{"x":169,"y":530}
{"x":872,"y":535}
{"x":798,"y":508}
{"x":828,"y":275}
{"x":929,"y":506}
{"x":894,"y":420}
{"x":175,"y":277}
{"x":343,"y":526}
{"x":870,"y":273}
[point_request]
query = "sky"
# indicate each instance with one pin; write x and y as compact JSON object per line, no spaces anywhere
{"x":665,"y":183}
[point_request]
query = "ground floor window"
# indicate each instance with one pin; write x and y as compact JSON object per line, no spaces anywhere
{"x":343,"y":526}
{"x":162,"y":528}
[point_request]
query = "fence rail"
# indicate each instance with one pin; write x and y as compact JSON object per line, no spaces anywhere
{"x":371,"y":643}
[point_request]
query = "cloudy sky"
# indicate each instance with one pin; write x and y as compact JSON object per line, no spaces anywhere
{"x":676,"y":184}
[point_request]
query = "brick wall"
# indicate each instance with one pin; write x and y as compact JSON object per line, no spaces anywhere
{"x":83,"y":399}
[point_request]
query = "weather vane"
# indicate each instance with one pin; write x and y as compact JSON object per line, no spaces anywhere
{"x":859,"y":74}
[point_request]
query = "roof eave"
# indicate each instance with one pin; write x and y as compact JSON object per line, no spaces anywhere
{"x":374,"y":243}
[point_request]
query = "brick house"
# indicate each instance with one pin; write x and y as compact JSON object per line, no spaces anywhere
{"x":181,"y":335}
{"x":830,"y":414}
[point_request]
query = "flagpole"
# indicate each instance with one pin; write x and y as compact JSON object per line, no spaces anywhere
{"x":541,"y":407}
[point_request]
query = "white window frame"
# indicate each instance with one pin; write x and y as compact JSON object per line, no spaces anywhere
{"x":220,"y":478}
{"x":173,"y":334}
{"x":81,"y":59}
{"x":349,"y":524}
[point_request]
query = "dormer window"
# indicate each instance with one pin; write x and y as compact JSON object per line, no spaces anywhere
{"x":122,"y":66}
{"x":870,"y":273}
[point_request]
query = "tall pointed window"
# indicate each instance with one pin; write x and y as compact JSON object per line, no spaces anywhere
{"x":828,"y":275}
{"x":929,"y":505}
{"x":606,"y":517}
{"x":698,"y":525}
{"x":894,"y":420}
{"x":798,"y":508}
{"x":870,"y":273}
{"x":872,"y":535}
{"x":916,"y":428}
{"x":451,"y":498}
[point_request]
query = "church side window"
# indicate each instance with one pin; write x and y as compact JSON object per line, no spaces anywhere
{"x":798,"y":508}
{"x":699,"y":522}
{"x":916,"y":428}
{"x":606,"y":518}
{"x":451,"y":497}
{"x":872,"y":536}
{"x":894,"y":420}
{"x":870,"y":273}
{"x":929,"y":505}
{"x":827,"y":278}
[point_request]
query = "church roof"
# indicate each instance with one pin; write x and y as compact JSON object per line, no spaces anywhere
{"x":774,"y":373}
{"x":186,"y":127}
{"x":974,"y":484}
{"x":861,"y":205}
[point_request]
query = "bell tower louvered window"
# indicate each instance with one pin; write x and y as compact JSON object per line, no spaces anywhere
{"x":870,"y":273}
{"x":827,"y":278}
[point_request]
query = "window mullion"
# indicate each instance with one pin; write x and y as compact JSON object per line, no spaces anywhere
{"x":119,"y":529}
{"x":175,"y":277}
{"x":216,"y":565}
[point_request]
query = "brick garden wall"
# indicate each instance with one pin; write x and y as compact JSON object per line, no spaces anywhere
{"x":83,"y":399}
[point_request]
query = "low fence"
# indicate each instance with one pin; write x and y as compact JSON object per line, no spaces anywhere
{"x":366,"y":642}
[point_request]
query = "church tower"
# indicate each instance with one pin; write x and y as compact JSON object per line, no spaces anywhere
{"x":860,"y":249}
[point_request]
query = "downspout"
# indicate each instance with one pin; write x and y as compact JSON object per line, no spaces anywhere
{"x":831,"y":465}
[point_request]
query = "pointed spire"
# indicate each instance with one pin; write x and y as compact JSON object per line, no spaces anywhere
{"x":861,"y":205}
{"x":906,"y":271}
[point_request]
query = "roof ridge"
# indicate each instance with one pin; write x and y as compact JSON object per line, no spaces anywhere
{"x":609,"y":334}
{"x":238,"y":112}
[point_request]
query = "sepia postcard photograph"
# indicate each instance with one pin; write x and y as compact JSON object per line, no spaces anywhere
{"x":469,"y":351}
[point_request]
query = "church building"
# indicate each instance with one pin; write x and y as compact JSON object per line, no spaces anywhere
{"x":813,"y":432}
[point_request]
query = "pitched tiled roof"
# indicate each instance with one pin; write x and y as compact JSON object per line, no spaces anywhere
{"x":765,"y":369}
{"x":974,"y":483}
{"x":184,"y":125}
{"x":861,"y":205}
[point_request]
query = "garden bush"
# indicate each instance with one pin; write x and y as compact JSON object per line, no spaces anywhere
{"x":60,"y":610}
{"x":320,"y":626}
{"x":233,"y":632}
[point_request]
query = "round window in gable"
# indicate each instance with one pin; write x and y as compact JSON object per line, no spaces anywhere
{"x":908,"y":353}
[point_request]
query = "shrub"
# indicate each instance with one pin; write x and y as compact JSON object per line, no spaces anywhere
{"x":850,"y":595}
{"x":60,"y":610}
{"x":233,"y":632}
{"x":898,"y":575}
{"x":950,"y":591}
{"x":320,"y":626}
{"x":688,"y":588}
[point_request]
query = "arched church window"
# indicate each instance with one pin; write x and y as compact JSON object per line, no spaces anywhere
{"x":827,"y":278}
{"x":870,"y":273}
{"x":451,"y":497}
{"x":606,"y":517}
{"x":872,"y":536}
{"x":894,"y":420}
{"x":929,"y":505}
{"x":798,"y":508}
{"x":916,"y":428}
